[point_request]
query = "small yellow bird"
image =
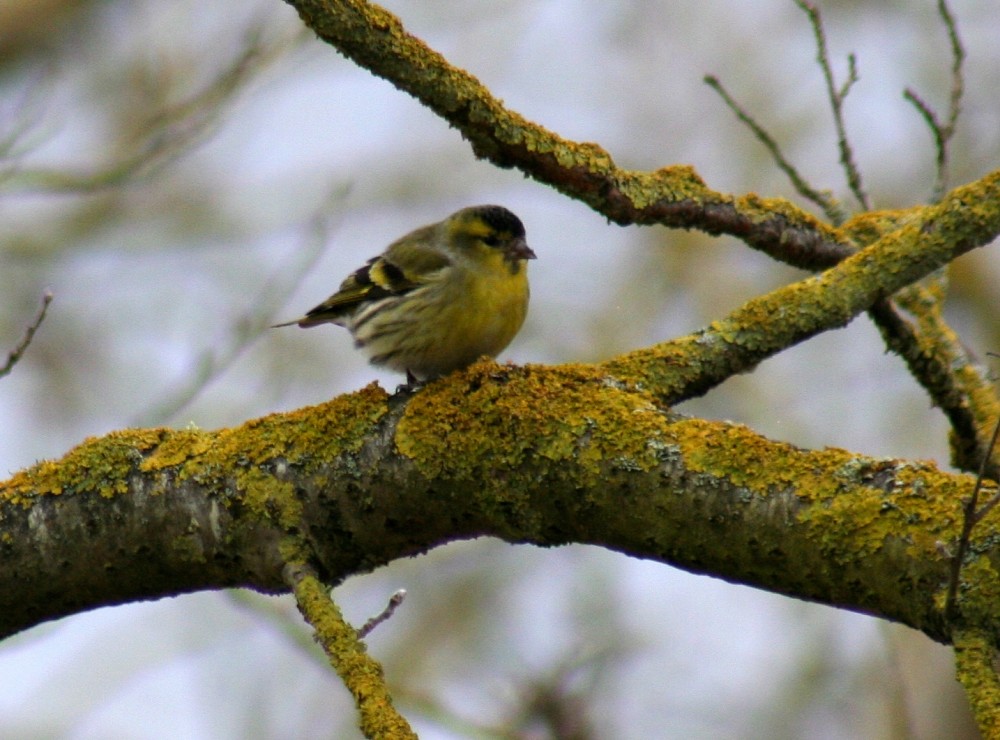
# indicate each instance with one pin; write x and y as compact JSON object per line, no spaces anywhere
{"x":438,"y":298}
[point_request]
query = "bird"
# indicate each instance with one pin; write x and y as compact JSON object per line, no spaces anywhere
{"x":438,"y":298}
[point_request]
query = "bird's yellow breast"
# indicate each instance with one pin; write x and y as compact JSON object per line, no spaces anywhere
{"x":488,"y":309}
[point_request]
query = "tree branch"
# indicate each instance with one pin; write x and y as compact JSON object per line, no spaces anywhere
{"x":926,"y":241}
{"x":368,"y":478}
{"x":672,"y":196}
{"x":824,"y":199}
{"x":836,"y":96}
{"x":235,"y":494}
{"x":976,"y":665}
{"x":342,"y":644}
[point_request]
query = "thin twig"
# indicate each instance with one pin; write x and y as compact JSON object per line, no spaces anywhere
{"x":394,"y":601}
{"x":15,"y":354}
{"x":971,"y":516}
{"x":943,"y":132}
{"x":822,"y":199}
{"x":837,"y":97}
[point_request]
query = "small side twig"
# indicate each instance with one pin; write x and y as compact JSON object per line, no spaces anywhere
{"x":943,"y":132}
{"x":17,"y":353}
{"x":394,"y":601}
{"x":837,"y":96}
{"x":971,"y":516}
{"x":824,"y":200}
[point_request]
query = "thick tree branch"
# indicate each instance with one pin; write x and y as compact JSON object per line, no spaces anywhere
{"x":234,"y":495}
{"x":368,"y":478}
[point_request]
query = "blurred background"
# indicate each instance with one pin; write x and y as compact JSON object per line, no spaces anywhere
{"x":181,"y":175}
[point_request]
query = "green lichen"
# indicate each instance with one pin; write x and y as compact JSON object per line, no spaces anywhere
{"x":979,"y":591}
{"x":269,"y":499}
{"x":870,"y":226}
{"x":189,"y":548}
{"x":851,"y":514}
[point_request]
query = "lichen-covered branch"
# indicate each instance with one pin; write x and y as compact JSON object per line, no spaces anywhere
{"x":976,"y":666}
{"x":15,"y":355}
{"x":672,"y":196}
{"x":542,"y":455}
{"x":955,"y":383}
{"x":361,"y":673}
{"x":206,"y":510}
{"x":920,"y":244}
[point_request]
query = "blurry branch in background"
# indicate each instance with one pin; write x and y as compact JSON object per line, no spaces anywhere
{"x":822,"y":198}
{"x":218,"y":356}
{"x":15,"y":354}
{"x":943,"y":132}
{"x":559,"y":703}
{"x":165,"y":133}
{"x":836,"y":96}
{"x":21,"y":116}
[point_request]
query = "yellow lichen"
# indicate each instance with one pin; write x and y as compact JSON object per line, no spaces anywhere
{"x":95,"y":465}
{"x":494,"y":416}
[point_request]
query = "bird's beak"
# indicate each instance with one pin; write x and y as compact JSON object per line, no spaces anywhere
{"x":518,"y":249}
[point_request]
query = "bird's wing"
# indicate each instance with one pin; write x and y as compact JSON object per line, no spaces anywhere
{"x":406,"y":264}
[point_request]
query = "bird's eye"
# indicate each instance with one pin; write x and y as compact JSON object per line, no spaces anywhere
{"x":492,"y":240}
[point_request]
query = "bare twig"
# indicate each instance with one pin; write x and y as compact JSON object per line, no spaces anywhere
{"x":823,"y":199}
{"x":15,"y":354}
{"x":943,"y":132}
{"x":837,"y":97}
{"x":394,"y":601}
{"x":971,"y":516}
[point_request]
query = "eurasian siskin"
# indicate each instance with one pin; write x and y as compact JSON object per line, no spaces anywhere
{"x":438,"y":298}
